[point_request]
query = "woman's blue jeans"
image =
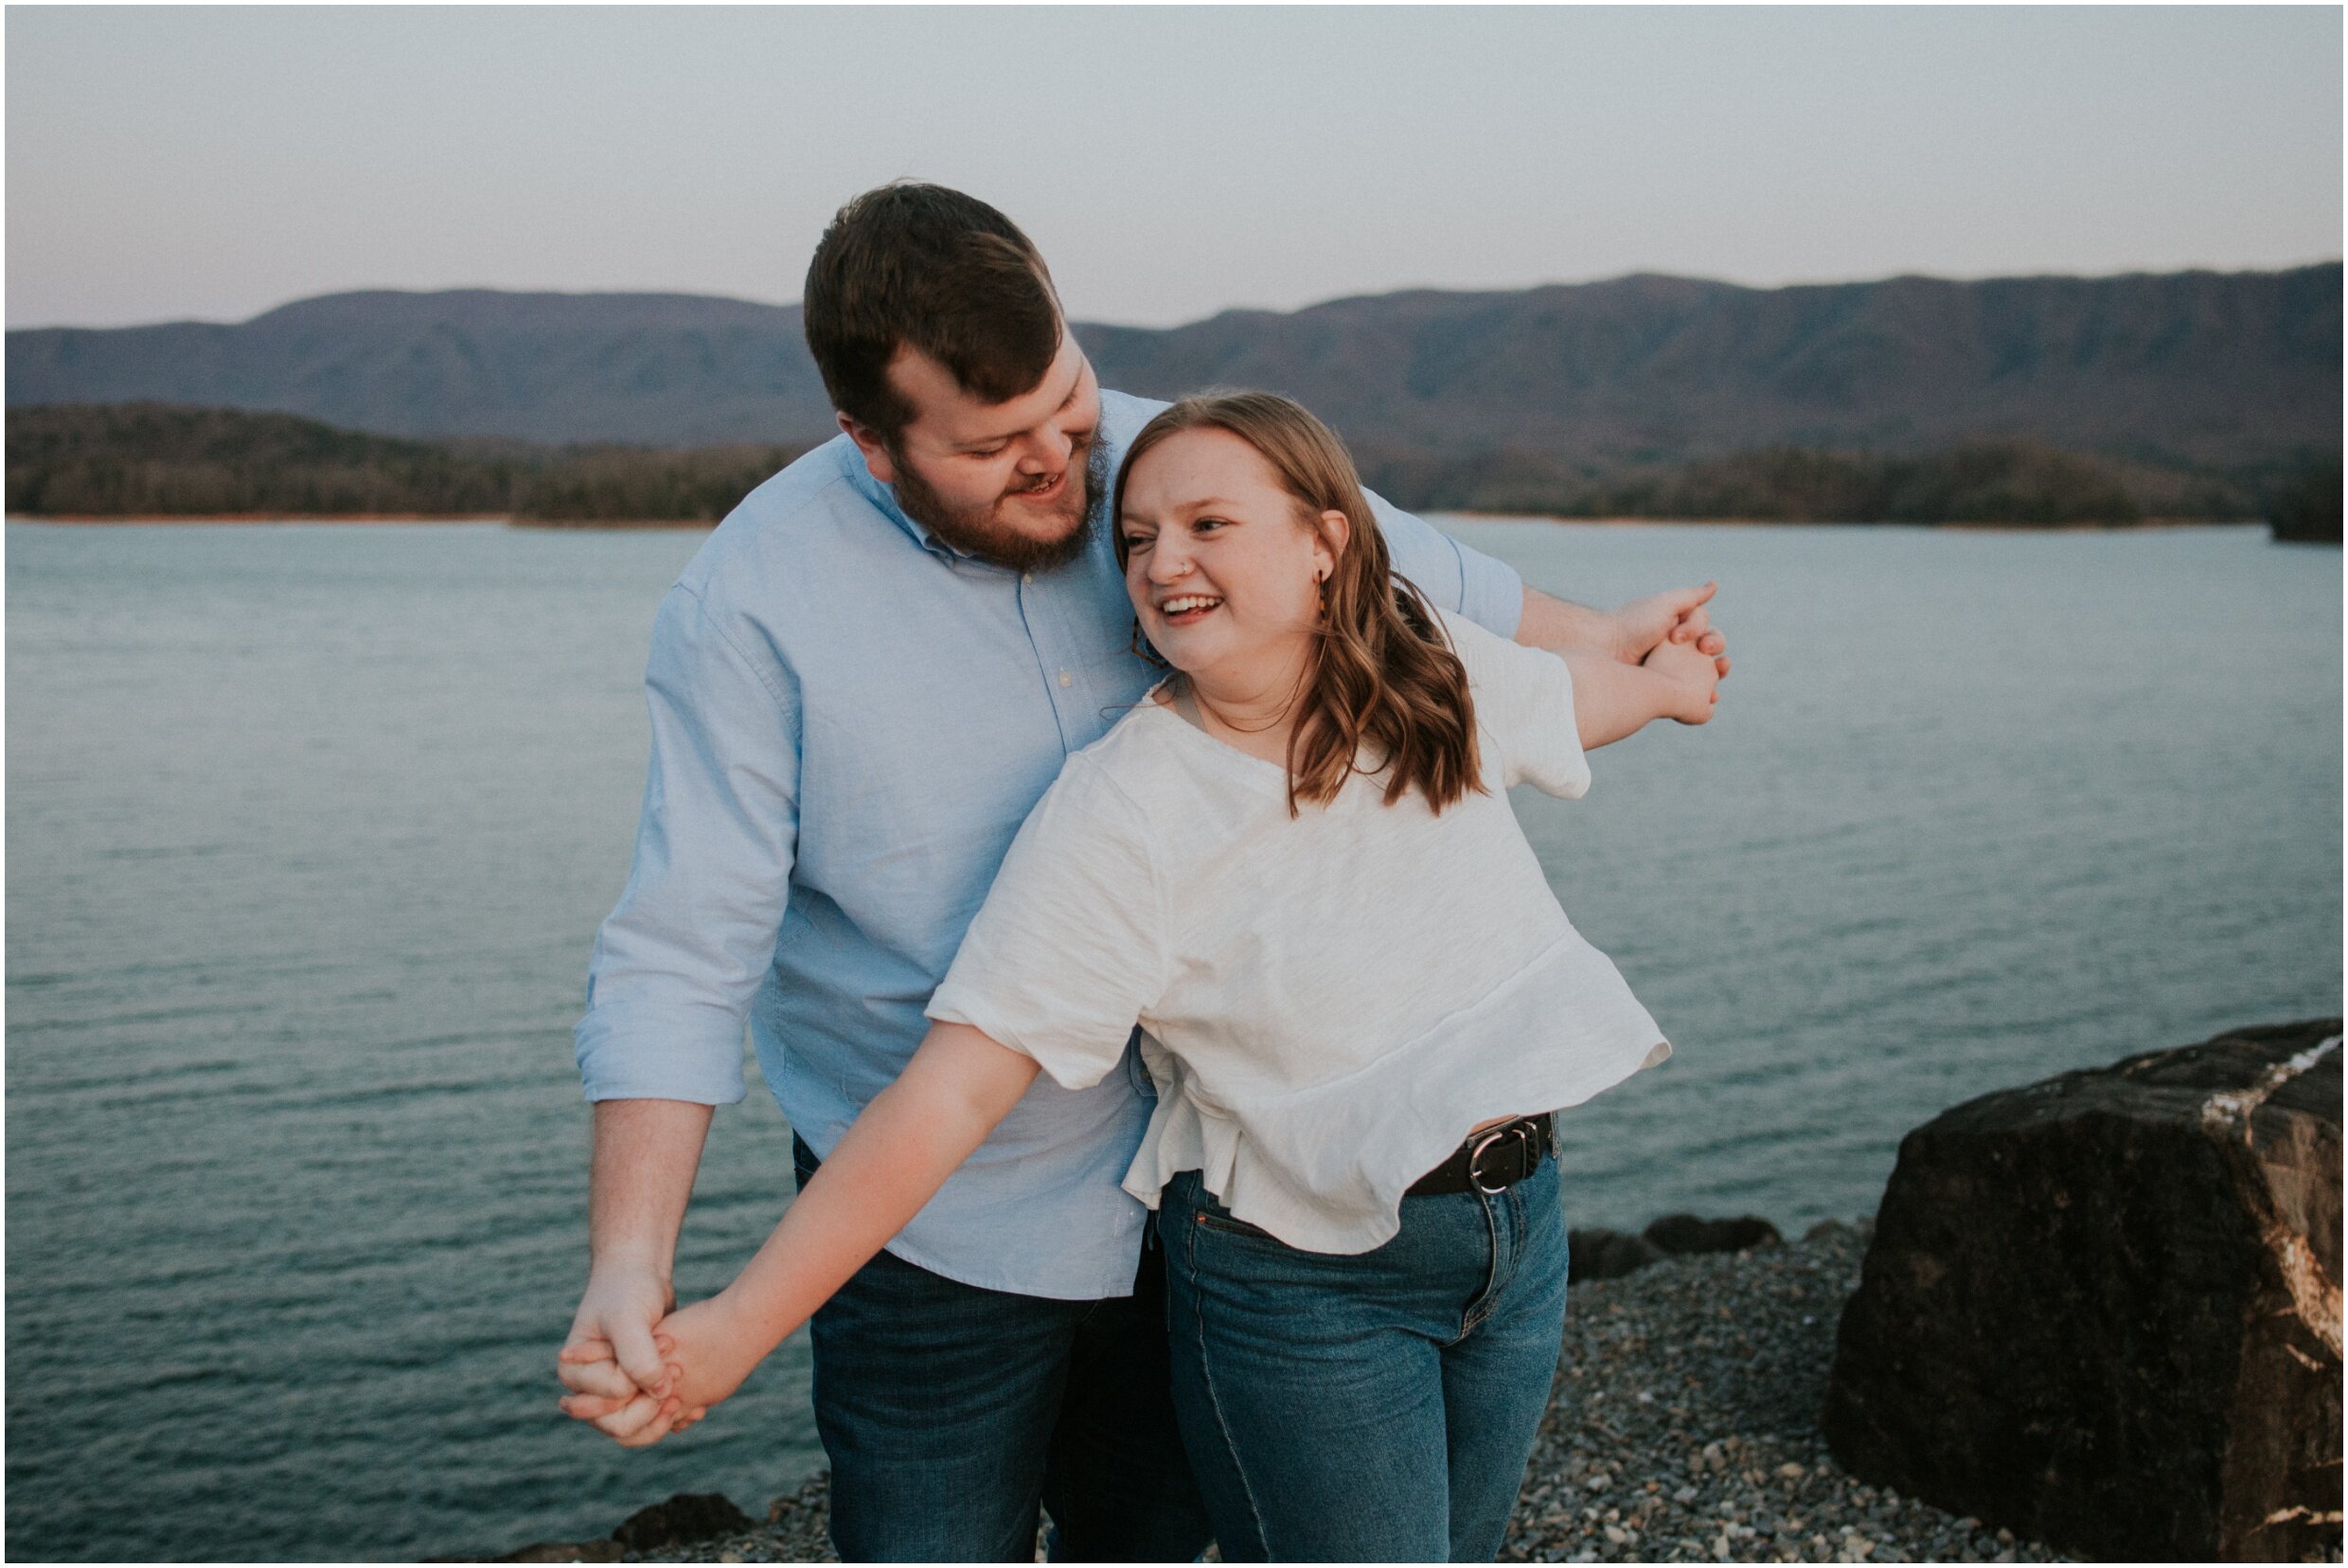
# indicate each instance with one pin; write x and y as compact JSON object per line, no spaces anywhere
{"x":1379,"y":1407}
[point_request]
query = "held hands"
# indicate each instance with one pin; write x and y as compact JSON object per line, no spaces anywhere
{"x":612,"y":1363}
{"x":635,"y":1419}
{"x":705,"y":1352}
{"x":1676,"y":616}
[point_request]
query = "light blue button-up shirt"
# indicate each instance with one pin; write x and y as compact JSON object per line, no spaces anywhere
{"x":850,"y":720}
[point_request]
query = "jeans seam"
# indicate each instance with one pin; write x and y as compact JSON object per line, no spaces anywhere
{"x":1490,"y":1297}
{"x":1206,"y":1378}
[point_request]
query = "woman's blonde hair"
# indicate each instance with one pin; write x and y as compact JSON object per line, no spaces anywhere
{"x":1383,"y":675}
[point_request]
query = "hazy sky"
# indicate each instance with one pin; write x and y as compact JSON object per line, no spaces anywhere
{"x":174,"y":162}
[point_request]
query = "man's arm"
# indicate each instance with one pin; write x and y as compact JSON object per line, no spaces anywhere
{"x":641,"y":1176}
{"x":674,"y":971}
{"x":1627,"y":634}
{"x":1491,"y":594}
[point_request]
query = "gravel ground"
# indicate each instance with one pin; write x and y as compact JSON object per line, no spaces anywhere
{"x":1683,"y":1428}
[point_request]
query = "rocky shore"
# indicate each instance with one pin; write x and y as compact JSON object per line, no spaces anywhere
{"x":2103,"y":1308}
{"x":1683,"y":1427}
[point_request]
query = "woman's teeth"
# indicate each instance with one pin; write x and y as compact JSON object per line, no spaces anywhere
{"x":1184,"y":606}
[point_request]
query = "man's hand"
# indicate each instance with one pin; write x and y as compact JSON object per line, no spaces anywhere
{"x":611,"y":1362}
{"x":1675,"y":615}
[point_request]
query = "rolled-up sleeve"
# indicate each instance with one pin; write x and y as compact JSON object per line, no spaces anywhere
{"x":678,"y":961}
{"x":1453,"y":577}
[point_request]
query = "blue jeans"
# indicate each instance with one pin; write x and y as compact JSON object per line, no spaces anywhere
{"x":951,"y":1411}
{"x":1375,"y":1408}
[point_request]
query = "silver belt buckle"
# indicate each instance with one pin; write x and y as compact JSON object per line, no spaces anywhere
{"x":1475,"y":1156}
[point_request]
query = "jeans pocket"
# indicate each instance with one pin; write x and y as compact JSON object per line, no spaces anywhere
{"x":1230,"y":1224}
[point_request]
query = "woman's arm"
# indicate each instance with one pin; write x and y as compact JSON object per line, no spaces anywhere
{"x":1613,"y":700}
{"x":912,"y":1136}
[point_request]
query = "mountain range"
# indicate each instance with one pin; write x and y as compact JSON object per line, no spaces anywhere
{"x":2227,"y":376}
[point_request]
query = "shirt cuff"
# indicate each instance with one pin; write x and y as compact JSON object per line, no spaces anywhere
{"x":661,"y":1051}
{"x":1491,"y":593}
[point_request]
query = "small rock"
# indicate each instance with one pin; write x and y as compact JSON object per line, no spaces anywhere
{"x":1606,"y":1255}
{"x":687,"y":1517}
{"x":1683,"y":1233}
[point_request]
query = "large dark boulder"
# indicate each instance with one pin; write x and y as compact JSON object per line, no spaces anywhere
{"x":2104,"y":1310}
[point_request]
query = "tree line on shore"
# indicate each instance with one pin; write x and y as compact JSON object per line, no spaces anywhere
{"x":163,"y":461}
{"x":2007,"y":481}
{"x":160,"y":460}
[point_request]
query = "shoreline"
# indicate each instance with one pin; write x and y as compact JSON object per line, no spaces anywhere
{"x":2148,"y":524}
{"x":85,"y":520}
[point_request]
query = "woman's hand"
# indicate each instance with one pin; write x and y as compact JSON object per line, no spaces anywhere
{"x":1691,"y":680}
{"x":709,"y":1350}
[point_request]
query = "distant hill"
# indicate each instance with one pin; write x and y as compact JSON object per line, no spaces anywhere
{"x":668,"y":369}
{"x":2190,"y":371}
{"x":2195,"y":390}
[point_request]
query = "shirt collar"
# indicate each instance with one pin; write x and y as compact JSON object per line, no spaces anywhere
{"x":883,"y":497}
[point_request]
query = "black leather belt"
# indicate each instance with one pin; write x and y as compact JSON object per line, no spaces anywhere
{"x":1492,"y":1160}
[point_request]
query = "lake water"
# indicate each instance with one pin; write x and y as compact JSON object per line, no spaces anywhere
{"x":310,"y":828}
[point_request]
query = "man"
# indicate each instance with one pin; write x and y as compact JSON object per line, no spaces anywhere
{"x":858,"y":688}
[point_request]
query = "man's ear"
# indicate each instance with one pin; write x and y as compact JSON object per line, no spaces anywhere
{"x":876,"y":451}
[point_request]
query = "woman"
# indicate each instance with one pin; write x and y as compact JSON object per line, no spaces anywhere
{"x":1296,"y":866}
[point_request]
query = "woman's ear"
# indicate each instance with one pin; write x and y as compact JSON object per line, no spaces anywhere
{"x":1333,"y":531}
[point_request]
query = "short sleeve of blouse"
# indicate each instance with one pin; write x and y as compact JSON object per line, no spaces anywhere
{"x":1069,"y":947}
{"x":1525,"y":701}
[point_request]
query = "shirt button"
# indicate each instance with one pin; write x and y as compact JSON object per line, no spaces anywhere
{"x":1066,"y":679}
{"x":1026,"y":577}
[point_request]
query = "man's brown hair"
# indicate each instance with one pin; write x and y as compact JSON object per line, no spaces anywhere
{"x":921,"y":265}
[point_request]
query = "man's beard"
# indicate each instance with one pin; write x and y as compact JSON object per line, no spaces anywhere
{"x":979,"y":530}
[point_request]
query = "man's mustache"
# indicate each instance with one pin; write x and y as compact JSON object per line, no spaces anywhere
{"x":1080,"y":461}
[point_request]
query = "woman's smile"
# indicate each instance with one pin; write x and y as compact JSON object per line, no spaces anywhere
{"x":1187,"y":608}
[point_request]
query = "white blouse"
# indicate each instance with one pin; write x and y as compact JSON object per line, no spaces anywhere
{"x":1330,"y":1002}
